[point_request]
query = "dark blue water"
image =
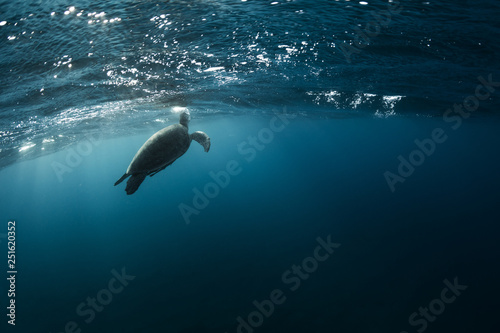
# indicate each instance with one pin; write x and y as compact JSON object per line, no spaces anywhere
{"x":352,"y":183}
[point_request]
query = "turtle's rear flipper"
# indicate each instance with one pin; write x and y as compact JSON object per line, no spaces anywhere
{"x":121,"y":179}
{"x":134,"y":182}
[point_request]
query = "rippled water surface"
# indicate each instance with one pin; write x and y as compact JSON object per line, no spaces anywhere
{"x":79,"y":67}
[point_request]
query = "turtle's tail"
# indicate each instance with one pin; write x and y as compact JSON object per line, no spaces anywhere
{"x":122,"y":179}
{"x":134,"y":182}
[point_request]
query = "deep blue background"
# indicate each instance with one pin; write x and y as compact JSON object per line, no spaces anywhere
{"x":316,"y":178}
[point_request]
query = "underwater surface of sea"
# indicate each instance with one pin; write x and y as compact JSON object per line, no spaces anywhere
{"x":352,"y":183}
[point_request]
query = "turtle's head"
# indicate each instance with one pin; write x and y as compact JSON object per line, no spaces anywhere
{"x":185,"y":118}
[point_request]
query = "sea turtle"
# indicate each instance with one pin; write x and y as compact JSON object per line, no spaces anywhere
{"x":161,"y":150}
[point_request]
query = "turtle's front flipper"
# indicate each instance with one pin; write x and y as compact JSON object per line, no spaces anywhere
{"x":154,"y":172}
{"x":202,"y":138}
{"x":134,"y":182}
